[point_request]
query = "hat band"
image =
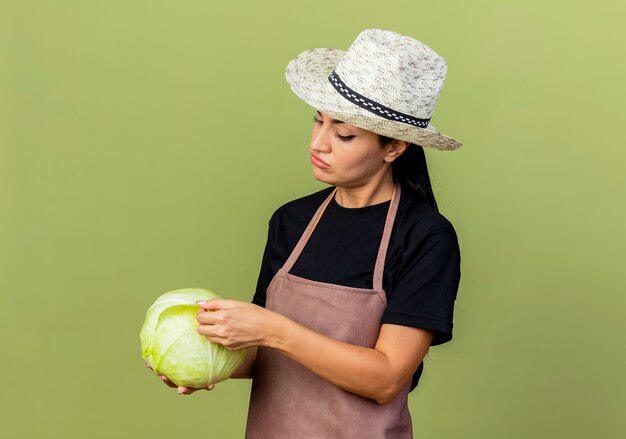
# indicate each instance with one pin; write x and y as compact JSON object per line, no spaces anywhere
{"x":373,"y":106}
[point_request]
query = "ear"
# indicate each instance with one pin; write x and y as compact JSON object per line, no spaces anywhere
{"x":395,"y":149}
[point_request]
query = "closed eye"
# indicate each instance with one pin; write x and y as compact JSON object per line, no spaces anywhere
{"x":344,"y":138}
{"x":339,"y":136}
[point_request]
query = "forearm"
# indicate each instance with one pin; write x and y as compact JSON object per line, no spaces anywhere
{"x":363,"y":371}
{"x":378,"y":373}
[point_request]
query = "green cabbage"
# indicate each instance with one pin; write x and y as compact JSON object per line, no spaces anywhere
{"x":171,"y":345}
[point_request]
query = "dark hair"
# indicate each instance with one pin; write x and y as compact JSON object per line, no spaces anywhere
{"x":411,"y":171}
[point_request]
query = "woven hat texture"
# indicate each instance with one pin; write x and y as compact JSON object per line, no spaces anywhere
{"x":385,"y":82}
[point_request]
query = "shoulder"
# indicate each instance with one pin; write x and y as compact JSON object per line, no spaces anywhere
{"x":416,"y":219}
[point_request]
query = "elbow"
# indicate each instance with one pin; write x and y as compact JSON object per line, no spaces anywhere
{"x":392,"y":384}
{"x":383,"y":401}
{"x":388,"y":394}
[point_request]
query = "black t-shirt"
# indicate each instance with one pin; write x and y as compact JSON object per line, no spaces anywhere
{"x":422,"y":268}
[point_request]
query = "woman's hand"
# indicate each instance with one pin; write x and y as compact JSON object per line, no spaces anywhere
{"x":237,"y":325}
{"x":181,"y":390}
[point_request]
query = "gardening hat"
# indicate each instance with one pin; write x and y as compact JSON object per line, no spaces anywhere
{"x":385,"y":82}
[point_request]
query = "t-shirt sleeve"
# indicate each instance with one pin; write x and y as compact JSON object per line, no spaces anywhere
{"x":424,"y":290}
{"x":265,"y":274}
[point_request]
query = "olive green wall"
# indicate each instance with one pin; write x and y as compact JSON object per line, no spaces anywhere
{"x":144,"y":145}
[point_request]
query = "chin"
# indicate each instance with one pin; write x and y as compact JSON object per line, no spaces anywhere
{"x":322,"y":176}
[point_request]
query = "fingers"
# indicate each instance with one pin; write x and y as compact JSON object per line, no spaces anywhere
{"x":206,"y":317}
{"x":214,"y":304}
{"x":185,"y":390}
{"x":167,"y":381}
{"x":190,"y":390}
{"x":181,"y":390}
{"x":228,"y":342}
{"x":211,"y":326}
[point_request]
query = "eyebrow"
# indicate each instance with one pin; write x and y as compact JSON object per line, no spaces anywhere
{"x":333,"y":121}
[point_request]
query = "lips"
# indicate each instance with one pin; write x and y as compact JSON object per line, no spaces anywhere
{"x":318,"y":161}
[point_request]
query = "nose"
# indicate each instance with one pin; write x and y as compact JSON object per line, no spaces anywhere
{"x":320,"y":139}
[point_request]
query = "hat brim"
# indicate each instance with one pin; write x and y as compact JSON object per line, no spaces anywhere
{"x":307,"y":75}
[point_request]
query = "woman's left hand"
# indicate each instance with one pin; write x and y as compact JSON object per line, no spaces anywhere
{"x":235,"y":324}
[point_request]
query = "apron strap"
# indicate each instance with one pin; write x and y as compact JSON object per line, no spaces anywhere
{"x":384,"y":243}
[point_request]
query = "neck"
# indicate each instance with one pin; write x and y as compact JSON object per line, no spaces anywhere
{"x":368,"y":194}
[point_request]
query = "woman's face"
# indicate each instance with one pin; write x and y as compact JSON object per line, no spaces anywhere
{"x":344,"y":155}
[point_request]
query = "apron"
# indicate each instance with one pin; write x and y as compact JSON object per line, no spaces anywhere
{"x":289,"y":401}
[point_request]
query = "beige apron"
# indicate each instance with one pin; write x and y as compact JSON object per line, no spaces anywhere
{"x":289,"y":401}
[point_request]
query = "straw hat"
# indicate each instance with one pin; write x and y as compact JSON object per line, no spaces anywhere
{"x":385,"y":82}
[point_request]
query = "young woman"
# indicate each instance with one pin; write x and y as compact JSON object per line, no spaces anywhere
{"x":359,"y":279}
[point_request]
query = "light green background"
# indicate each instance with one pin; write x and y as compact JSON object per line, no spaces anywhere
{"x":144,"y":145}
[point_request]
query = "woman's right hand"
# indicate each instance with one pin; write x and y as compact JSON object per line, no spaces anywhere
{"x":181,"y":390}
